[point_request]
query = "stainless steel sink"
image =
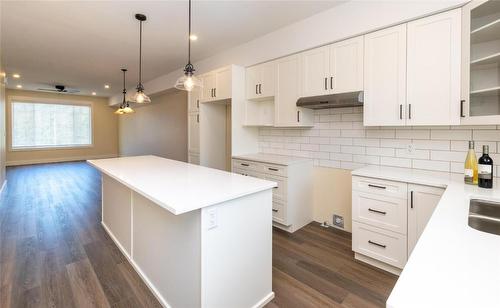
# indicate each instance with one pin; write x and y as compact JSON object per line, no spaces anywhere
{"x":484,"y":216}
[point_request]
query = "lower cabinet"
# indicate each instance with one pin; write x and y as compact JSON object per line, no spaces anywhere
{"x":292,"y":198}
{"x":388,"y":219}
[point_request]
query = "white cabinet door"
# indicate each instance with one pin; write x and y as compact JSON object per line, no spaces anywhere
{"x":223,"y":84}
{"x":266,"y":85}
{"x":385,"y":77}
{"x":287,"y":91}
{"x":194,"y":100}
{"x":208,"y":87}
{"x":433,"y":70}
{"x":314,"y":72}
{"x":422,"y":202}
{"x":194,"y":132}
{"x":253,"y":77}
{"x":346,"y":66}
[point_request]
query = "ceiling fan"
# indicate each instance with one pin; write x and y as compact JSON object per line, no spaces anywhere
{"x":59,"y":89}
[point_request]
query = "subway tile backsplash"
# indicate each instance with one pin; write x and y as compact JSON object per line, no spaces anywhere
{"x":339,"y":140}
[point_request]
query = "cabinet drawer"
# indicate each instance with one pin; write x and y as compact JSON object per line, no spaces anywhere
{"x":247,"y":165}
{"x":274,"y":169}
{"x":279,"y":192}
{"x":279,"y":212}
{"x":380,"y":244}
{"x":248,"y":173}
{"x":380,"y":211}
{"x":380,"y":187}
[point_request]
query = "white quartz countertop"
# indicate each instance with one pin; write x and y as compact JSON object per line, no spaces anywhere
{"x":273,"y":158}
{"x":452,"y":265}
{"x":178,"y":186}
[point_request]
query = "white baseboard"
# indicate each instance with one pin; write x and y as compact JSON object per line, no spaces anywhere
{"x":57,"y":160}
{"x":265,"y":300}
{"x":143,"y":276}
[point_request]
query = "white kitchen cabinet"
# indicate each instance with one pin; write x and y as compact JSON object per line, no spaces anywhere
{"x":287,"y":85}
{"x":292,"y":198}
{"x":385,"y":77}
{"x":336,"y":68}
{"x":346,"y":66}
{"x":216,"y":85}
{"x":315,"y":72}
{"x":480,"y":63}
{"x":260,"y":81}
{"x":422,"y":202}
{"x":194,"y":133}
{"x":388,"y":219}
{"x":433,"y":70}
{"x":194,"y":100}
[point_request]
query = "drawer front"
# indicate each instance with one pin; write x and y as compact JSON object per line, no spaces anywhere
{"x":385,"y":246}
{"x":380,"y":187}
{"x":279,"y":212}
{"x":380,"y":211}
{"x":279,"y":192}
{"x":274,"y":169}
{"x":247,"y":165}
{"x":248,"y":173}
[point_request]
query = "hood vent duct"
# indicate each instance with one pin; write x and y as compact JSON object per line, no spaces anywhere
{"x":351,"y":99}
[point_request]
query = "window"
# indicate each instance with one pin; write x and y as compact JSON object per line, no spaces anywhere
{"x":42,"y":125}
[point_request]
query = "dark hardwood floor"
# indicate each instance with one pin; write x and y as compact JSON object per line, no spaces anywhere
{"x":54,"y":252}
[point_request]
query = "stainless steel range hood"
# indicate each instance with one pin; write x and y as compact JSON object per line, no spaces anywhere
{"x":351,"y":99}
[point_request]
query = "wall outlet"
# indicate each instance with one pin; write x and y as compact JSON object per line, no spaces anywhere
{"x":338,"y":221}
{"x":410,"y":148}
{"x":212,"y":218}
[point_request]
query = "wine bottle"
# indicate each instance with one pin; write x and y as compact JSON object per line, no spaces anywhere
{"x":485,"y":169}
{"x":470,"y":173}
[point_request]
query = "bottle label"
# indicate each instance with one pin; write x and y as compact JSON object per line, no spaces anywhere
{"x":485,"y":171}
{"x":469,"y":173}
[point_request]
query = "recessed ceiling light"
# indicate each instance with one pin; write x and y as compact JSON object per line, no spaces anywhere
{"x":93,"y":93}
{"x":19,"y":86}
{"x":16,"y":76}
{"x":193,"y":37}
{"x":106,"y":86}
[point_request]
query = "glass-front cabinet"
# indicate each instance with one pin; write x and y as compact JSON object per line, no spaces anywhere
{"x":481,"y":67}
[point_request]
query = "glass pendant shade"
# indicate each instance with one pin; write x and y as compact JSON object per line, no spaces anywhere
{"x":128,"y":110}
{"x":188,"y":83}
{"x":140,"y":97}
{"x":124,"y":106}
{"x":119,"y":110}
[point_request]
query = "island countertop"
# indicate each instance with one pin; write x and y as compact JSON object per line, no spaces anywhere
{"x":452,"y":265}
{"x":178,"y":186}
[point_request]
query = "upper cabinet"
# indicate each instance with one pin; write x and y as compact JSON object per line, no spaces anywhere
{"x":260,"y":81}
{"x":481,"y":63}
{"x":433,"y":70}
{"x":336,"y":68}
{"x":412,"y":73}
{"x":385,"y":77}
{"x":287,"y":84}
{"x":216,"y":85}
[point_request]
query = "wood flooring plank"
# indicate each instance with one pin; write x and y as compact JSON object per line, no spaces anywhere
{"x":142,"y":293}
{"x":56,"y":290}
{"x":86,"y":289}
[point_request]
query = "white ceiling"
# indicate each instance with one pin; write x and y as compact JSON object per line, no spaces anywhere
{"x":83,"y":44}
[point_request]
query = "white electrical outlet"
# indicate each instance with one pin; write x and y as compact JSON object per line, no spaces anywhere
{"x":410,"y":148}
{"x":212,"y":218}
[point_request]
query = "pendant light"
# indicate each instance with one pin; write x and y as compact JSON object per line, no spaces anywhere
{"x":124,"y":106}
{"x":188,"y":81}
{"x":140,"y":97}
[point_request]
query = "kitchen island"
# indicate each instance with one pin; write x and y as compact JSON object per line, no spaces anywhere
{"x":198,"y":237}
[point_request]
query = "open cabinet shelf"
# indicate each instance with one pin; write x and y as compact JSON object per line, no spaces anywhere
{"x":486,"y":92}
{"x":486,"y":33}
{"x":491,"y":59}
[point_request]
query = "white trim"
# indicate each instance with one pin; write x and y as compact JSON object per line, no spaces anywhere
{"x":378,"y":264}
{"x":264,"y":301}
{"x":143,"y":276}
{"x":57,"y":160}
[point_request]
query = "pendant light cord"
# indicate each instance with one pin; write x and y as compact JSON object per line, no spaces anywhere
{"x":140,"y":54}
{"x":189,"y":37}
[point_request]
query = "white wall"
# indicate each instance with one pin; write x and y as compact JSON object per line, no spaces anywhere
{"x":159,"y":128}
{"x":340,"y":22}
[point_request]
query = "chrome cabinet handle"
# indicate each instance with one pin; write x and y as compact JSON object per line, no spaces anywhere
{"x":326,"y":83}
{"x":377,"y":211}
{"x":377,"y":244}
{"x":331,"y":82}
{"x":376,"y":186}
